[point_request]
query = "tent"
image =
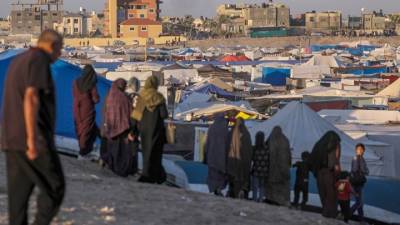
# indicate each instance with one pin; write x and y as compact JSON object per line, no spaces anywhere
{"x":304,"y":127}
{"x":212,"y":89}
{"x":63,"y":75}
{"x":232,"y":58}
{"x":310,"y":71}
{"x":331,"y":61}
{"x":276,"y":76}
{"x":391,"y":91}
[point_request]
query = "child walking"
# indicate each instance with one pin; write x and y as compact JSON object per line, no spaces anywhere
{"x":344,"y":191}
{"x":301,"y":184}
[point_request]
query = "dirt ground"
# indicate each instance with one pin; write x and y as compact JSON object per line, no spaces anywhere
{"x":96,"y":196}
{"x":284,"y":41}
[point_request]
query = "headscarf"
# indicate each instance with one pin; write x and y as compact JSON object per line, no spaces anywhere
{"x":240,"y":152}
{"x":260,"y":140}
{"x":87,"y":80}
{"x":133,"y":85}
{"x":217,"y":143}
{"x":149,"y":98}
{"x":118,"y":110}
{"x":319,"y":155}
{"x":280,"y":156}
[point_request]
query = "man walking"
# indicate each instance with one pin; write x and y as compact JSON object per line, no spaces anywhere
{"x":27,"y":133}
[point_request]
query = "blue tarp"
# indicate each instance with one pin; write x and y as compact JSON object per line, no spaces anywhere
{"x":366,"y":71}
{"x":275,"y":76}
{"x":63,"y":75}
{"x":378,"y":192}
{"x":212,"y":89}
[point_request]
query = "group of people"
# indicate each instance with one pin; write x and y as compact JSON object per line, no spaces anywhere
{"x":237,"y":166}
{"x":131,"y":117}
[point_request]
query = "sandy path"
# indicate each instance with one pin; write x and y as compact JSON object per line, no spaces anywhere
{"x":96,"y":196}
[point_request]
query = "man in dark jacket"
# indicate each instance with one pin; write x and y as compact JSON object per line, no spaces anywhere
{"x":28,"y":125}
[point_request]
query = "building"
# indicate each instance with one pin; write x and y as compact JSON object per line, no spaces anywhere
{"x":267,"y":15}
{"x":231,"y":10}
{"x":118,"y":11}
{"x":373,"y":22}
{"x":354,"y":22}
{"x":97,"y":23}
{"x":34,"y":17}
{"x":144,"y":28}
{"x":4,"y":25}
{"x":323,"y":21}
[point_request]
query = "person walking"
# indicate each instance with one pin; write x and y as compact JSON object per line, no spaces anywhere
{"x":280,"y":162}
{"x":359,"y":173}
{"x":216,"y":148}
{"x":119,"y":153}
{"x":325,"y":165}
{"x":85,"y":100}
{"x":28,"y":125}
{"x":260,"y":167}
{"x":150,"y":112}
{"x":239,"y":161}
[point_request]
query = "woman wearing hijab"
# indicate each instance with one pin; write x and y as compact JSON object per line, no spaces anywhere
{"x":85,"y":98}
{"x":150,"y":112}
{"x":239,"y":161}
{"x":216,"y":148}
{"x":117,"y":151}
{"x":280,"y":161}
{"x":260,"y":167}
{"x":325,"y":164}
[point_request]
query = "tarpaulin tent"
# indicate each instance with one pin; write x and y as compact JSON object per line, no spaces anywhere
{"x":275,"y":76}
{"x":212,"y":89}
{"x":232,"y":58}
{"x":63,"y":75}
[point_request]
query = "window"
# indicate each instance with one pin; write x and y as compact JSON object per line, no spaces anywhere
{"x":312,"y":19}
{"x":76,"y":20}
{"x":68,"y":20}
{"x":44,"y":14}
{"x":131,"y":28}
{"x":151,"y":10}
{"x":142,"y":16}
{"x":131,"y":16}
{"x":18,"y":14}
{"x":76,"y":30}
{"x":144,"y":28}
{"x":30,"y":14}
{"x":55,"y":14}
{"x":37,"y":17}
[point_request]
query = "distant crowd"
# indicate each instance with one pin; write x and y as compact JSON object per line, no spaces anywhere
{"x":237,"y":166}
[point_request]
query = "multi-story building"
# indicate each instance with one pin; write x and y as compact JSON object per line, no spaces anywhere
{"x":323,"y":21}
{"x":118,"y":11}
{"x":373,"y":22}
{"x":267,"y":15}
{"x":4,"y":25}
{"x":34,"y":17}
{"x":143,"y":28}
{"x":231,"y":10}
{"x":354,"y":23}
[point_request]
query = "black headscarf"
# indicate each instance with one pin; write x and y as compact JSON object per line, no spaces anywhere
{"x":87,"y":80}
{"x":260,"y":140}
{"x":319,"y":155}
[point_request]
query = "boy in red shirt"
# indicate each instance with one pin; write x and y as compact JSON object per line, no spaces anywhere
{"x":344,"y":191}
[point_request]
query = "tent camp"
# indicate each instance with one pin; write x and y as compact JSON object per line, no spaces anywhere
{"x":63,"y":75}
{"x":304,"y":127}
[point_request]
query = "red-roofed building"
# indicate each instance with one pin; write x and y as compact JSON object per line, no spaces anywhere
{"x":144,"y":28}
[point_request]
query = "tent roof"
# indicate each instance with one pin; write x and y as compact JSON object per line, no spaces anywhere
{"x":392,"y":91}
{"x":304,"y":127}
{"x":233,"y":58}
{"x":310,"y":71}
{"x":209,"y":88}
{"x":360,"y":116}
{"x":331,"y":61}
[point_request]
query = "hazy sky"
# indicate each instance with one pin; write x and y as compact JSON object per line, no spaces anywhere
{"x":207,"y":7}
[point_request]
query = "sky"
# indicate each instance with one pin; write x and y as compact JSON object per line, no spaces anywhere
{"x":208,"y":7}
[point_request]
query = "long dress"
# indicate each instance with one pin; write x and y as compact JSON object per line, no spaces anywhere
{"x":217,"y":146}
{"x":153,"y":138}
{"x":85,"y":118}
{"x":278,"y":181}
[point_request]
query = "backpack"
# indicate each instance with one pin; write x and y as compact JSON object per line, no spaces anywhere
{"x":357,"y":178}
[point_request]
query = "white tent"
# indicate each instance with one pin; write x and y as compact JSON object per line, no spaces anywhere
{"x":180,"y":76}
{"x":310,"y":71}
{"x":361,"y":116}
{"x":391,"y":91}
{"x":141,"y":76}
{"x":327,"y":60}
{"x":304,"y":127}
